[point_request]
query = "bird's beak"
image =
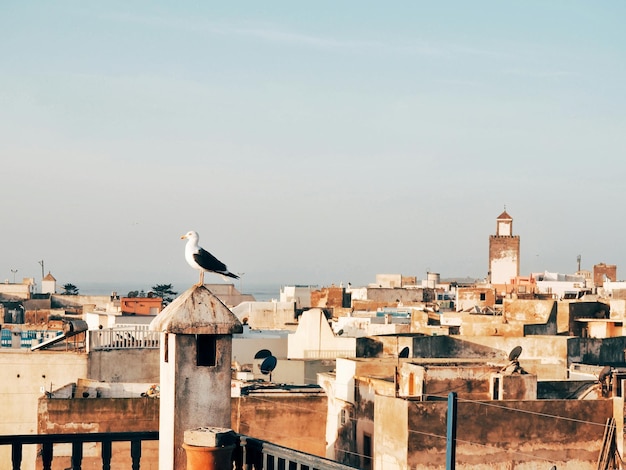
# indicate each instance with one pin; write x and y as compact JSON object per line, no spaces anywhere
{"x":182,"y":237}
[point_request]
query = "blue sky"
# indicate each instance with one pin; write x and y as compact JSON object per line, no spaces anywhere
{"x":310,"y":143}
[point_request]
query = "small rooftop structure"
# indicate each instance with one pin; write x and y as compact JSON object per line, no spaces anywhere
{"x":195,"y":368}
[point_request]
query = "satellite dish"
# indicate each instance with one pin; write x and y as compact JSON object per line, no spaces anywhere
{"x":404,"y":352}
{"x":268,"y":365}
{"x":262,"y":354}
{"x":515,"y":353}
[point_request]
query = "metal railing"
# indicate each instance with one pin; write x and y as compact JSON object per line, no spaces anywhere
{"x":255,"y":454}
{"x":128,"y":337}
{"x":47,"y":442}
{"x":328,"y":353}
{"x":249,"y":454}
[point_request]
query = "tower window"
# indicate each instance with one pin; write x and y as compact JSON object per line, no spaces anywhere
{"x":206,"y":350}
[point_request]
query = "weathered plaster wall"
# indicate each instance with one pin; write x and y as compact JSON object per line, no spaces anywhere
{"x":23,"y":375}
{"x":245,"y":346}
{"x":139,"y":365}
{"x":558,"y":389}
{"x":585,"y":310}
{"x":601,"y":270}
{"x":266,"y":315}
{"x":367,"y":388}
{"x":330,"y":297}
{"x":562,"y":317}
{"x":315,"y":338}
{"x":294,"y":371}
{"x":509,"y":435}
{"x":14,"y":291}
{"x":392,"y":345}
{"x":65,"y":416}
{"x":597,"y":350}
{"x":289,"y":420}
{"x":101,"y":415}
{"x":504,"y":256}
{"x":618,"y":306}
{"x":488,"y":325}
{"x":391,"y":434}
{"x":400,"y":295}
{"x":470,"y":381}
{"x":544,"y":356}
{"x":193,"y":395}
{"x":528,"y":311}
{"x":470,"y":297}
{"x":389,"y":280}
{"x":77,"y":301}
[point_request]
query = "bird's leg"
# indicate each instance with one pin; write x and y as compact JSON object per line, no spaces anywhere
{"x":201,"y":282}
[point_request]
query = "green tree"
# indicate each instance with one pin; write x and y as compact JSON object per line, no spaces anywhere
{"x":165,"y":292}
{"x":69,"y":289}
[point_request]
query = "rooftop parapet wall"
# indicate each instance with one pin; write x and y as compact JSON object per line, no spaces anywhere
{"x":267,"y":315}
{"x":529,"y":312}
{"x":548,"y":357}
{"x":297,"y":421}
{"x":544,"y":356}
{"x":391,"y":295}
{"x":97,"y":415}
{"x":470,"y":297}
{"x":531,"y":433}
{"x":470,"y":381}
{"x":124,"y":365}
{"x":100,"y":415}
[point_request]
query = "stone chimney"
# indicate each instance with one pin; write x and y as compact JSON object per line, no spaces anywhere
{"x":195,"y":361}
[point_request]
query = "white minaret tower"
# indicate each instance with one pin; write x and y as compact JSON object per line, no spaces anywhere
{"x":504,"y":252}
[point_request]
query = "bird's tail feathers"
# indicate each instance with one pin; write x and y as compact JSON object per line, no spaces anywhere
{"x":228,"y":274}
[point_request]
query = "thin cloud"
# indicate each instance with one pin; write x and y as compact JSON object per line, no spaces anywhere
{"x":537,"y":73}
{"x":276,"y":35}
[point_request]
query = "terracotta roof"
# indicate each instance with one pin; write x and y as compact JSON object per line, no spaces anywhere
{"x":504,"y":216}
{"x":49,"y":277}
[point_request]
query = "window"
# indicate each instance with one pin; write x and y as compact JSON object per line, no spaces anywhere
{"x":483,"y":296}
{"x":206,"y":350}
{"x":166,"y":348}
{"x":345,"y":416}
{"x":496,"y":388}
{"x":367,"y":451}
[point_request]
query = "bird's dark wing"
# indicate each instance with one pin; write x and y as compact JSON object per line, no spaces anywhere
{"x":211,"y":263}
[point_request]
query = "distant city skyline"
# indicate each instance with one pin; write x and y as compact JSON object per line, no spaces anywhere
{"x":309,"y":144}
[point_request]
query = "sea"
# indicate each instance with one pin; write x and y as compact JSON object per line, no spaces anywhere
{"x":261,"y":292}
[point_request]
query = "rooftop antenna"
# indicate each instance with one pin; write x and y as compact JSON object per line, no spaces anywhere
{"x":13,"y":271}
{"x":578,"y":260}
{"x":42,"y":270}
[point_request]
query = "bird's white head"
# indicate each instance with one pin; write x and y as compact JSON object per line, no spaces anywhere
{"x":191,"y":235}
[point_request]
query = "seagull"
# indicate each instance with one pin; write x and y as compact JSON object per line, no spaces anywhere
{"x":200,"y":259}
